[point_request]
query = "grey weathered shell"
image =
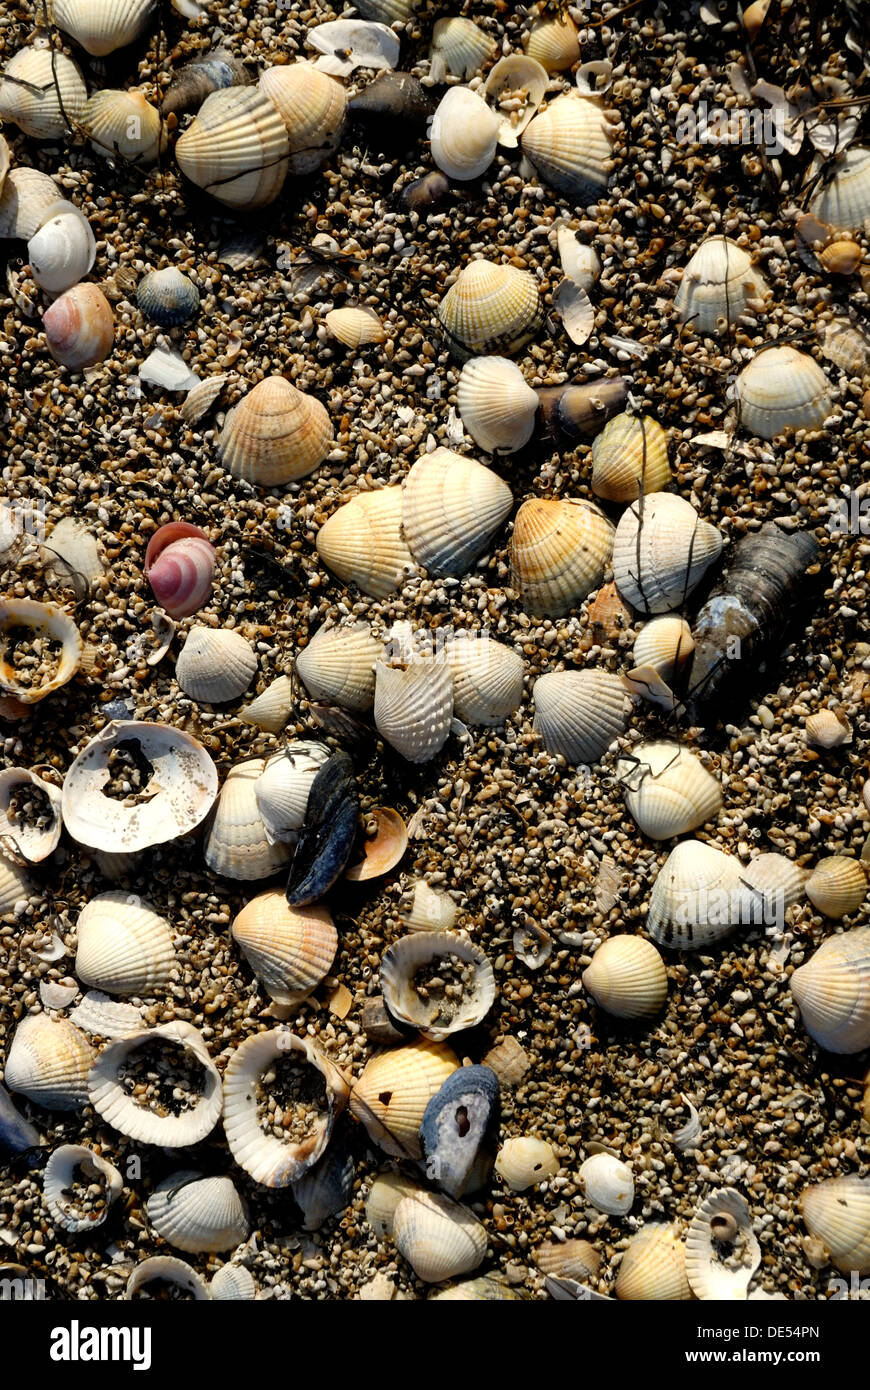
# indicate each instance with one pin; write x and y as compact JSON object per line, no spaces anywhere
{"x":414,"y":707}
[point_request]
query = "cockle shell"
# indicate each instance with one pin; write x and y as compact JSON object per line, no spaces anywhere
{"x":179,"y":566}
{"x":393,"y":1090}
{"x":661,"y":551}
{"x":362,"y":542}
{"x":525,"y":1161}
{"x":312,"y":107}
{"x":777,"y":881}
{"x":233,"y":1282}
{"x":271,"y":710}
{"x":439,"y":1013}
{"x":487,"y":1288}
{"x":579,"y":713}
{"x":628,"y":457}
{"x":487,"y":678}
{"x":26,"y":199}
{"x":289,"y":949}
{"x":627,"y":978}
{"x":842,"y":196}
{"x":338,"y":665}
{"x":282,"y":788}
{"x":668,"y":790}
{"x":124,"y":125}
{"x":569,"y":144}
{"x":413,"y":708}
{"x":451,"y":508}
{"x":15,"y":887}
{"x":559,"y":551}
{"x":832,"y":991}
{"x":490,"y":308}
{"x":459,"y":49}
{"x":664,"y":644}
{"x":21,"y":839}
{"x":216,"y":664}
{"x":438,"y":1237}
{"x":237,"y":148}
{"x":275,"y":434}
{"x":124,"y":946}
{"x":514,"y":90}
{"x":102,"y":26}
{"x":385,"y":1194}
{"x":697,"y":899}
{"x":236,"y":843}
{"x":79,"y":327}
{"x":178,"y":796}
{"x":167,"y":297}
{"x":42,"y":92}
{"x":837,"y":1212}
{"x":388,"y":11}
{"x":722,"y":1217}
{"x":44,"y":621}
{"x":61,"y":1171}
{"x":463,"y":135}
{"x":719,"y":284}
{"x":62,"y":251}
{"x":782,"y":389}
{"x":48,"y":1062}
{"x":837,"y":886}
{"x":197,"y":1213}
{"x":269,"y":1161}
{"x":496,"y":404}
{"x":653,"y":1267}
{"x":115,"y":1104}
{"x":170,"y":1270}
{"x":355,"y":326}
{"x":553,"y":42}
{"x":608,"y":1184}
{"x":568,"y":1259}
{"x":827,"y":729}
{"x":430,"y":909}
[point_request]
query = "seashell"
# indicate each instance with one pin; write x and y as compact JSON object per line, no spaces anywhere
{"x":289,"y":949}
{"x":62,"y":250}
{"x":782,"y":389}
{"x":383,"y":848}
{"x":15,"y":887}
{"x":271,"y":710}
{"x":123,"y":125}
{"x":724,"y":1218}
{"x":459,"y":49}
{"x":339,"y":665}
{"x":832,"y":991}
{"x":283,"y":787}
{"x":653,"y":1267}
{"x":525,"y":1161}
{"x":362,"y":542}
{"x":216,"y":664}
{"x":79,"y":327}
{"x":326,"y":840}
{"x":26,"y":198}
{"x":178,"y":795}
{"x":608,"y":1184}
{"x":661,"y":551}
{"x":842,"y":197}
{"x":828,"y":729}
{"x":575,"y":309}
{"x":169,"y":1270}
{"x":237,"y":148}
{"x":423,"y":195}
{"x":4,"y":161}
{"x":719,"y":285}
{"x":458,"y":1124}
{"x":167,"y":369}
{"x":559,"y":551}
{"x":275,"y":435}
{"x":179,"y":566}
{"x":48,"y":624}
{"x":841,"y":257}
{"x":847,"y":347}
{"x":487,"y":679}
{"x":48,"y":1062}
{"x":236,"y":844}
{"x":355,"y":326}
{"x":463,"y":136}
{"x":496,"y":404}
{"x":75,"y":554}
{"x":326,"y":1189}
{"x":514,"y":89}
{"x":439,"y":1238}
{"x":569,"y":145}
{"x":168,"y":298}
{"x":578,"y":714}
{"x":664,"y":644}
{"x":385,"y":1194}
{"x":43,"y":93}
{"x":697,"y":899}
{"x":430,"y":910}
{"x":668,"y":790}
{"x":393,"y":105}
{"x":102,"y":26}
{"x":124,"y":946}
{"x":233,"y":1282}
{"x":388,"y":11}
{"x":486,"y":1289}
{"x":837,"y":1212}
{"x":630,"y":457}
{"x":532,"y":945}
{"x":196,"y":1213}
{"x":117,"y":1105}
{"x":837,"y":886}
{"x":627,"y":978}
{"x":553,"y":42}
{"x":777,"y":881}
{"x":392,"y":1093}
{"x":201,"y":397}
{"x":413,"y":708}
{"x":490,"y":308}
{"x":580,"y":263}
{"x":29,"y":838}
{"x":68,"y":1164}
{"x":508,"y":1060}
{"x":451,"y":508}
{"x":269,"y":1161}
{"x":312,"y":107}
{"x":211,"y":72}
{"x":568,"y":1259}
{"x":99,"y":1015}
{"x":456,"y":991}
{"x":347,"y":44}
{"x":57,"y":994}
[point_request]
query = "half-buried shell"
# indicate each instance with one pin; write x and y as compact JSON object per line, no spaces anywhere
{"x":832,"y":991}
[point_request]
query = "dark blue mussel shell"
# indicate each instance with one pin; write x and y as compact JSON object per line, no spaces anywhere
{"x":458,"y":1123}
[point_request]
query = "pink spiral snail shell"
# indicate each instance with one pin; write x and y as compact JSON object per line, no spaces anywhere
{"x":179,"y":566}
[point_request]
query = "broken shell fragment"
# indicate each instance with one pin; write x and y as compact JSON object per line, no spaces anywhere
{"x":782,"y":389}
{"x":111,"y":1091}
{"x":197,"y":1213}
{"x":579,"y":713}
{"x":430,"y":910}
{"x":290,"y":950}
{"x":496,"y":404}
{"x":722,"y":1220}
{"x":668,"y":790}
{"x":627,"y":978}
{"x":168,"y":1270}
{"x":661,"y":551}
{"x":514,"y":90}
{"x":362,"y":542}
{"x":719,"y":285}
{"x":490,"y":308}
{"x":559,"y":551}
{"x":275,"y":435}
{"x":608,"y":1184}
{"x":124,"y":946}
{"x":48,"y":1062}
{"x":72,"y":1163}
{"x":458,"y":1124}
{"x":437,"y":982}
{"x":842,"y":198}
{"x":832,"y":991}
{"x":216,"y":664}
{"x":392,"y":1093}
{"x":568,"y":1259}
{"x":48,"y":626}
{"x":664,"y":644}
{"x":451,"y":508}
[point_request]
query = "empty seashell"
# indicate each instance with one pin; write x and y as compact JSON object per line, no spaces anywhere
{"x":579,"y":713}
{"x":514,"y":89}
{"x":627,"y":978}
{"x":459,"y":49}
{"x":312,"y":107}
{"x":275,"y":434}
{"x":842,"y":197}
{"x":27,"y":197}
{"x":338,"y":665}
{"x":168,"y":1270}
{"x":15,"y":887}
{"x":307,"y":1117}
{"x":111,"y":1092}
{"x":383,"y":846}
{"x":233,"y":1282}
{"x":837,"y":886}
{"x":697,"y":899}
{"x":283,"y":787}
{"x":71,"y":1163}
{"x":668,"y":790}
{"x":237,"y":148}
{"x":496,"y":404}
{"x":362,"y":542}
{"x":124,"y":946}
{"x":487,"y":679}
{"x":458,"y":1127}
{"x":608,"y":1184}
{"x":661,"y":551}
{"x":439,"y":1238}
{"x":413,"y":708}
{"x":526,"y":1161}
{"x":837,"y":1213}
{"x":664,"y":644}
{"x":653,"y":1267}
{"x":290,"y":950}
{"x":49,"y":627}
{"x":569,"y":144}
{"x":451,"y":508}
{"x":719,"y":284}
{"x":722,"y":1218}
{"x":62,"y":251}
{"x":553,"y":42}
{"x":777,"y":881}
{"x":215,"y":664}
{"x":179,"y":566}
{"x":102,"y":26}
{"x":437,"y":982}
{"x":79,"y":327}
{"x":43,"y":93}
{"x":828,"y":729}
{"x":580,"y":263}
{"x":568,"y":1259}
{"x":167,"y":297}
{"x":559,"y":551}
{"x":125,"y":126}
{"x":385,"y":1194}
{"x":430,"y":910}
{"x":236,"y":843}
{"x":394,"y":1089}
{"x":271,"y":710}
{"x":782,"y":389}
{"x":30,"y":815}
{"x":832,"y":991}
{"x":490,"y":308}
{"x":197,"y":1213}
{"x":463,"y":135}
{"x":630,"y":457}
{"x":347,"y":44}
{"x":355,"y":326}
{"x":48,"y":1062}
{"x":575,"y":309}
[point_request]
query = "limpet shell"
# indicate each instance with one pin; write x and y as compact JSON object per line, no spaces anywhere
{"x":630,"y":456}
{"x":338,"y":665}
{"x":289,"y":949}
{"x":668,"y":790}
{"x":832,"y":991}
{"x":490,"y":308}
{"x":487,"y":679}
{"x":275,"y":435}
{"x":237,"y":148}
{"x":62,"y":250}
{"x":413,"y":708}
{"x":459,"y":49}
{"x":698,"y":897}
{"x":837,"y":886}
{"x":43,"y":93}
{"x":393,"y":1090}
{"x":653,"y":1267}
{"x":48,"y":1061}
{"x":440,"y":1014}
{"x":452,"y":507}
{"x":661,"y":551}
{"x":216,"y":664}
{"x":608,"y":1184}
{"x":197,"y":1213}
{"x":118,"y":1107}
{"x":20,"y":838}
{"x":525,"y":1161}
{"x":312,"y":107}
{"x":463,"y":135}
{"x":719,"y":284}
{"x":559,"y":551}
{"x":837,"y":1212}
{"x":570,"y":145}
{"x":438,"y":1237}
{"x":579,"y":713}
{"x":124,"y":945}
{"x":58,"y":1177}
{"x":496,"y":404}
{"x":236,"y":844}
{"x":782,"y":389}
{"x":362,"y":542}
{"x":627,"y":978}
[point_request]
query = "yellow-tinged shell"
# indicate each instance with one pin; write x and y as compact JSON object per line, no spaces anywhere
{"x":661,"y":551}
{"x":607,"y":1183}
{"x":842,"y":197}
{"x":568,"y":1259}
{"x":553,"y":42}
{"x":579,"y":713}
{"x":524,"y":1161}
{"x":718,"y":285}
{"x":832,"y":991}
{"x":430,"y":909}
{"x":102,"y":26}
{"x":48,"y":1061}
{"x":570,"y":145}
{"x":338,"y":666}
{"x":837,"y":886}
{"x":837,"y":1212}
{"x":45,"y":622}
{"x":630,"y":456}
{"x":124,"y":124}
{"x":236,"y":148}
{"x":459,"y":49}
{"x":487,"y":679}
{"x":452,"y":507}
{"x":46,"y":95}
{"x":463,"y":135}
{"x":627,"y":978}
{"x":124,"y":945}
{"x":491,"y":309}
{"x":312,"y":107}
{"x":438,"y":1237}
{"x":26,"y":199}
{"x":665,"y":644}
{"x":289,"y":949}
{"x":355,"y":326}
{"x":828,"y":729}
{"x":271,"y":710}
{"x":559,"y":551}
{"x":698,"y":897}
{"x":496,"y":404}
{"x":653,"y":1267}
{"x":668,"y":790}
{"x":363,"y":544}
{"x":394,"y":1089}
{"x":215,"y":664}
{"x":782,"y":389}
{"x":236,"y":843}
{"x":414,"y":707}
{"x":385,"y":1194}
{"x":275,"y":434}
{"x":436,"y":1013}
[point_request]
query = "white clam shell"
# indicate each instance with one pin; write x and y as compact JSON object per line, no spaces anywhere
{"x":608,"y":1184}
{"x":661,"y":551}
{"x":668,"y":790}
{"x":66,"y":1162}
{"x":48,"y":1062}
{"x":782,"y":389}
{"x":46,"y":95}
{"x":123,"y":126}
{"x":385,"y":1194}
{"x":627,"y":978}
{"x":21,"y":839}
{"x":362,"y":542}
{"x":233,"y":1282}
{"x":346,"y":44}
{"x":74,"y":551}
{"x":171,"y":1270}
{"x":413,"y":707}
{"x":216,"y":664}
{"x":441,"y":1013}
{"x":524,"y":1161}
{"x":463,"y":135}
{"x":842,"y":196}
{"x":438,"y":1237}
{"x":196,"y":1213}
{"x":271,"y":710}
{"x":236,"y":843}
{"x":117,"y":1106}
{"x":698,"y":897}
{"x":777,"y":880}
{"x":518,"y":83}
{"x":452,"y":507}
{"x":832,"y":991}
{"x":459,"y":49}
{"x":710,"y":1276}
{"x":579,"y":713}
{"x":653,"y":1267}
{"x":487,"y":679}
{"x":837,"y":1212}
{"x":62,"y":251}
{"x":553,"y":41}
{"x":281,"y":791}
{"x":124,"y":946}
{"x":102,"y":26}
{"x":355,"y":326}
{"x":496,"y":404}
{"x":338,"y":666}
{"x":719,"y":284}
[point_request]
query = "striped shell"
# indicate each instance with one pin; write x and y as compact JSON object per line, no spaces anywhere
{"x":179,"y":566}
{"x":312,"y":107}
{"x":46,"y":95}
{"x":15,"y":887}
{"x":27,"y":198}
{"x":579,"y":713}
{"x":827,"y":728}
{"x":391,"y":1094}
{"x":568,"y":1259}
{"x":559,"y":551}
{"x":233,"y":1282}
{"x":70,"y":1163}
{"x":236,"y":843}
{"x":451,"y":508}
{"x":668,"y":790}
{"x":653,"y":1267}
{"x":463,"y":135}
{"x":362,"y":542}
{"x":414,"y":707}
{"x":236,"y":148}
{"x":496,"y":404}
{"x":719,"y":284}
{"x":385,"y":1194}
{"x":124,"y":125}
{"x":837,"y":886}
{"x":661,"y":551}
{"x":48,"y":1062}
{"x":355,"y":326}
{"x":62,"y":251}
{"x":289,"y":949}
{"x":275,"y":434}
{"x":487,"y":679}
{"x":697,"y":899}
{"x":630,"y":456}
{"x":79,"y":327}
{"x":842,"y":196}
{"x":782,"y":389}
{"x":338,"y":665}
{"x":722,"y":1223}
{"x":216,"y":664}
{"x":490,"y":309}
{"x":283,"y":787}
{"x":438,"y":1237}
{"x":124,"y":946}
{"x":608,"y":1184}
{"x":837,"y":1212}
{"x":627,"y":978}
{"x":832,"y":991}
{"x":167,"y":297}
{"x":553,"y":42}
{"x":524,"y":1161}
{"x":430,"y":910}
{"x":569,"y":144}
{"x":196,"y":1213}
{"x":115,"y":1104}
{"x":437,"y":1014}
{"x":777,"y":881}
{"x":459,"y":49}
{"x":665,"y":644}
{"x":270,"y":710}
{"x":102,"y":26}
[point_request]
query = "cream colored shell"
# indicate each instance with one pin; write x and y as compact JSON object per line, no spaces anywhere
{"x":362,"y":542}
{"x":236,"y":843}
{"x":463,"y":135}
{"x":437,"y":1016}
{"x":66,"y":1162}
{"x":653,"y":1267}
{"x":487,"y":679}
{"x":661,"y":551}
{"x":216,"y":664}
{"x":438,"y":1237}
{"x":124,"y":946}
{"x":491,"y":308}
{"x":628,"y":457}
{"x":459,"y":49}
{"x":608,"y":1184}
{"x":579,"y":713}
{"x":719,"y":284}
{"x":627,"y":978}
{"x":46,"y":95}
{"x":496,"y":404}
{"x":276,"y":434}
{"x":126,"y":125}
{"x":668,"y":790}
{"x":236,"y":148}
{"x":782,"y":389}
{"x":837,"y":886}
{"x":338,"y":665}
{"x":289,"y":949}
{"x":570,"y":145}
{"x":312,"y":107}
{"x":832,"y":991}
{"x":48,"y":1061}
{"x":102,"y":26}
{"x":115,"y":1104}
{"x":698,"y":897}
{"x":393,"y":1090}
{"x":525,"y":1161}
{"x":196,"y":1213}
{"x":837,"y":1212}
{"x":452,"y":507}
